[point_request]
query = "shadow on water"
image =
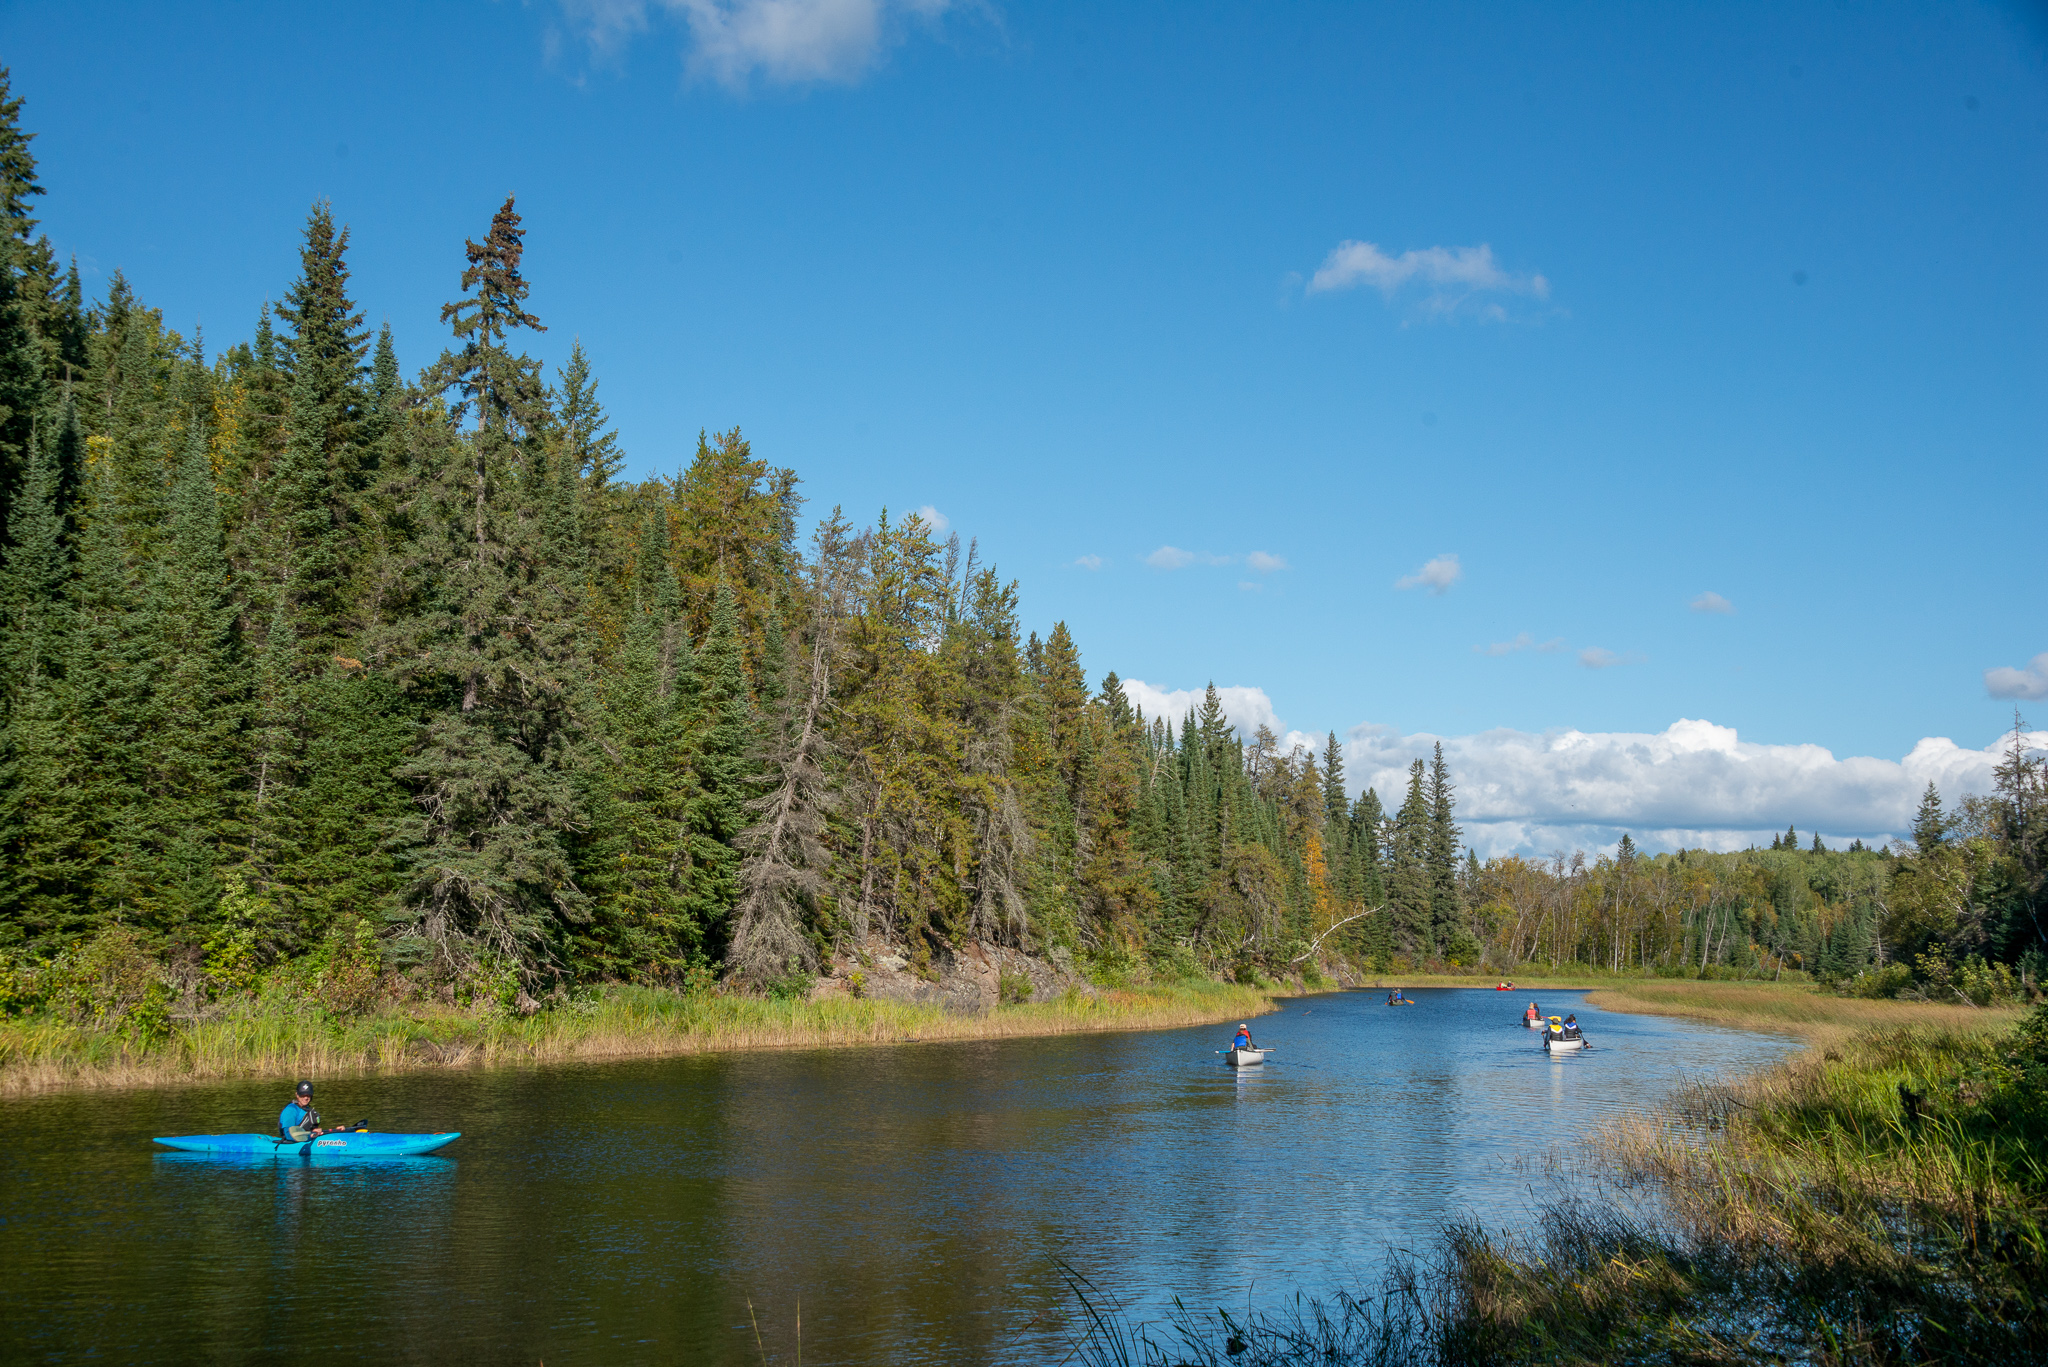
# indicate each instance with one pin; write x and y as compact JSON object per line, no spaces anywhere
{"x":918,"y":1200}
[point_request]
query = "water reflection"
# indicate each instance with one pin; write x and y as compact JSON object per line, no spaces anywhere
{"x":913,"y":1200}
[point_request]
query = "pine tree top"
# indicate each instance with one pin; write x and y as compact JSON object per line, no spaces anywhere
{"x":17,"y":162}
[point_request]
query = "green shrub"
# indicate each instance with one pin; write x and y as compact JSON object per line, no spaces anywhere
{"x":1113,"y":965}
{"x":1881,"y":983}
{"x":1013,"y":988}
{"x":793,"y":986}
{"x":1987,"y":984}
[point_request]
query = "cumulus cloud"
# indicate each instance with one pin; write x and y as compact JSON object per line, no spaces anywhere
{"x":1174,"y":558}
{"x":1088,"y":562}
{"x":1523,"y":641}
{"x":1170,"y":558}
{"x":935,"y":519}
{"x":1247,"y":708}
{"x":1455,"y":275}
{"x":2007,"y":682}
{"x":1692,"y":784}
{"x":1265,"y":563}
{"x":1437,"y":576}
{"x":1599,"y":657}
{"x":780,"y":42}
{"x":1712,"y":602}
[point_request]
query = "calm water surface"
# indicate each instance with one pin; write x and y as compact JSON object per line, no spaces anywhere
{"x":912,"y":1202}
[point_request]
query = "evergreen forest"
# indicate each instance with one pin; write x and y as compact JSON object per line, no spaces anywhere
{"x":308,"y":658}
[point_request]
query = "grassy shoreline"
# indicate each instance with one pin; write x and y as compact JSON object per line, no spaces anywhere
{"x":1819,"y":1018}
{"x":41,"y":1054}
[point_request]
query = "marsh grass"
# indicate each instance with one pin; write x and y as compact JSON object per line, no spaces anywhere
{"x":40,"y":1053}
{"x":1881,"y":1199}
{"x":1799,"y":1009}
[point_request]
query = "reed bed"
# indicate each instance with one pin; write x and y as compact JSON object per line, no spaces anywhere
{"x":39,"y":1053}
{"x":1799,"y":1009}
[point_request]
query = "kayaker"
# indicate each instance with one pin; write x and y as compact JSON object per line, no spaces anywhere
{"x":1244,"y":1037}
{"x":298,"y":1121}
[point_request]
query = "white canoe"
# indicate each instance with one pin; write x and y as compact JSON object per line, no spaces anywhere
{"x":1244,"y":1058}
{"x":1562,"y":1046}
{"x":1532,"y":1024}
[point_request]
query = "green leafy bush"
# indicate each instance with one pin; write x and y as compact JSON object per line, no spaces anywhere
{"x":793,"y":986}
{"x":1880,"y":984}
{"x":1014,"y":987}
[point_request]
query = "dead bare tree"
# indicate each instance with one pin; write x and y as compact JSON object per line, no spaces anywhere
{"x":783,"y":871}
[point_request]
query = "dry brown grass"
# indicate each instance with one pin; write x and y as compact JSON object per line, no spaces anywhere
{"x":1819,"y":1017}
{"x":40,"y":1054}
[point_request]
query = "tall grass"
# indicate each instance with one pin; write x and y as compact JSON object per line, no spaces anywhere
{"x":1795,"y":1008}
{"x":253,"y":1039}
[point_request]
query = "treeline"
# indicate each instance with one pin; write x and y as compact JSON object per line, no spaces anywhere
{"x":303,"y":660}
{"x":1958,"y":909}
{"x":306,"y":658}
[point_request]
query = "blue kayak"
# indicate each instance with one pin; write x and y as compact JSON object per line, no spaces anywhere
{"x":341,"y":1144}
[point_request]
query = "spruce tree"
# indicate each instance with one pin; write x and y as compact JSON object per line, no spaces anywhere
{"x":1408,"y":876}
{"x":1446,"y":905}
{"x":487,"y":648}
{"x":593,"y":449}
{"x":1336,"y":807}
{"x":37,"y":804}
{"x":1930,"y":825}
{"x":643,"y":864}
{"x":191,"y":775}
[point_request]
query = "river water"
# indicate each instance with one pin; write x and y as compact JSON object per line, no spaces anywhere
{"x":908,"y":1204}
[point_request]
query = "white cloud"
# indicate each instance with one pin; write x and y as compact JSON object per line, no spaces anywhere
{"x":607,"y":25}
{"x":1437,"y":576}
{"x":2007,"y":682}
{"x":1523,"y":641}
{"x":1711,"y":602}
{"x":1265,"y":563}
{"x":781,"y":42}
{"x":1457,"y":273}
{"x":1174,"y":558}
{"x":1170,"y":558}
{"x":1599,"y":657}
{"x":1247,"y":708}
{"x":936,"y":520}
{"x":1693,"y":783}
{"x":1088,"y":562}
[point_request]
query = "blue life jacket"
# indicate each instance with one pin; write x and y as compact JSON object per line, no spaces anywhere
{"x":1243,"y":1041}
{"x":294,"y":1114}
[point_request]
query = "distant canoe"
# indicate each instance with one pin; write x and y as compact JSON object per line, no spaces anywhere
{"x":1245,"y":1058}
{"x":1536,"y":1024}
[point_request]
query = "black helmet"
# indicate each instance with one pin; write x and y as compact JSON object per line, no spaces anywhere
{"x":304,"y":1088}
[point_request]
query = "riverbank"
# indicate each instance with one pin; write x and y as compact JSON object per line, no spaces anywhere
{"x":1879,"y":1199}
{"x":39,"y":1053}
{"x":1799,"y":1009}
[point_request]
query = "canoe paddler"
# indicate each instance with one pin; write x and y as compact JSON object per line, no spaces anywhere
{"x":298,"y":1121}
{"x":1532,"y":1014}
{"x":1244,"y":1037}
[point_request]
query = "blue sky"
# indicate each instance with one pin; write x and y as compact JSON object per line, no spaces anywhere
{"x":1214,"y":324}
